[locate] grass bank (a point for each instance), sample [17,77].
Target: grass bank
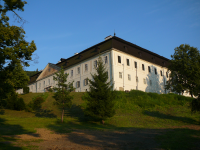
[134,110]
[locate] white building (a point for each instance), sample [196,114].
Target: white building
[130,67]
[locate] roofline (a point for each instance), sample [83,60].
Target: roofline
[138,47]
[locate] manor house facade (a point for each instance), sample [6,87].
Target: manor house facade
[128,65]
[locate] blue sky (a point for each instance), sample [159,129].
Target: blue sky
[61,28]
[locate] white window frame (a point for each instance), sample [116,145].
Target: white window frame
[120,75]
[77,84]
[86,81]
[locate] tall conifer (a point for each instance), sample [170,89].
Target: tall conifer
[100,98]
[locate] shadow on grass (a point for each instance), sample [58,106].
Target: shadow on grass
[6,130]
[45,113]
[164,116]
[96,135]
[2,112]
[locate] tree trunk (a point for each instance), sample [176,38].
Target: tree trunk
[62,115]
[103,122]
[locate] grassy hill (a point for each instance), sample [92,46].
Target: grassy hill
[134,110]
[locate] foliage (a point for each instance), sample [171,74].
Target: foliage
[100,98]
[25,89]
[14,102]
[185,70]
[195,105]
[63,90]
[15,51]
[36,102]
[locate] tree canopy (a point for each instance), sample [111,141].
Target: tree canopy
[185,70]
[100,97]
[15,51]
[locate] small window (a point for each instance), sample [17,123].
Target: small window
[161,72]
[167,74]
[144,80]
[150,82]
[77,84]
[106,59]
[137,80]
[119,59]
[129,77]
[71,73]
[143,67]
[155,70]
[44,83]
[86,67]
[135,64]
[149,68]
[49,81]
[78,70]
[85,82]
[95,63]
[39,85]
[120,75]
[127,61]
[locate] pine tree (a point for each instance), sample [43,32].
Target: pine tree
[63,90]
[100,98]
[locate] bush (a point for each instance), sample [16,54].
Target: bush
[15,103]
[25,90]
[37,103]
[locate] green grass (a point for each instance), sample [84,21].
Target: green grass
[134,110]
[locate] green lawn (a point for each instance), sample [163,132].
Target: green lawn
[134,110]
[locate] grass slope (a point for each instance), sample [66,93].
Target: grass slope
[134,110]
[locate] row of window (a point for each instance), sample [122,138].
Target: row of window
[129,78]
[86,66]
[143,67]
[85,83]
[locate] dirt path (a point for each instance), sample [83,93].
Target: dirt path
[98,140]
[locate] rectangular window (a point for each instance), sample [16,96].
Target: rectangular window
[143,67]
[71,73]
[39,85]
[155,70]
[135,64]
[167,74]
[86,67]
[129,77]
[150,82]
[127,61]
[149,69]
[144,80]
[49,81]
[44,83]
[85,82]
[78,70]
[120,75]
[119,59]
[77,84]
[95,63]
[106,59]
[161,72]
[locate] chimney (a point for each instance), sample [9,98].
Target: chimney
[108,37]
[75,53]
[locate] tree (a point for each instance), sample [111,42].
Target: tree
[185,70]
[15,51]
[63,90]
[100,98]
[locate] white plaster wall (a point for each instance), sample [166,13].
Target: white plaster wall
[157,80]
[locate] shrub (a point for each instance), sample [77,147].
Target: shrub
[37,103]
[15,103]
[25,90]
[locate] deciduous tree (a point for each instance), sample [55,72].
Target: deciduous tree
[14,49]
[100,98]
[185,70]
